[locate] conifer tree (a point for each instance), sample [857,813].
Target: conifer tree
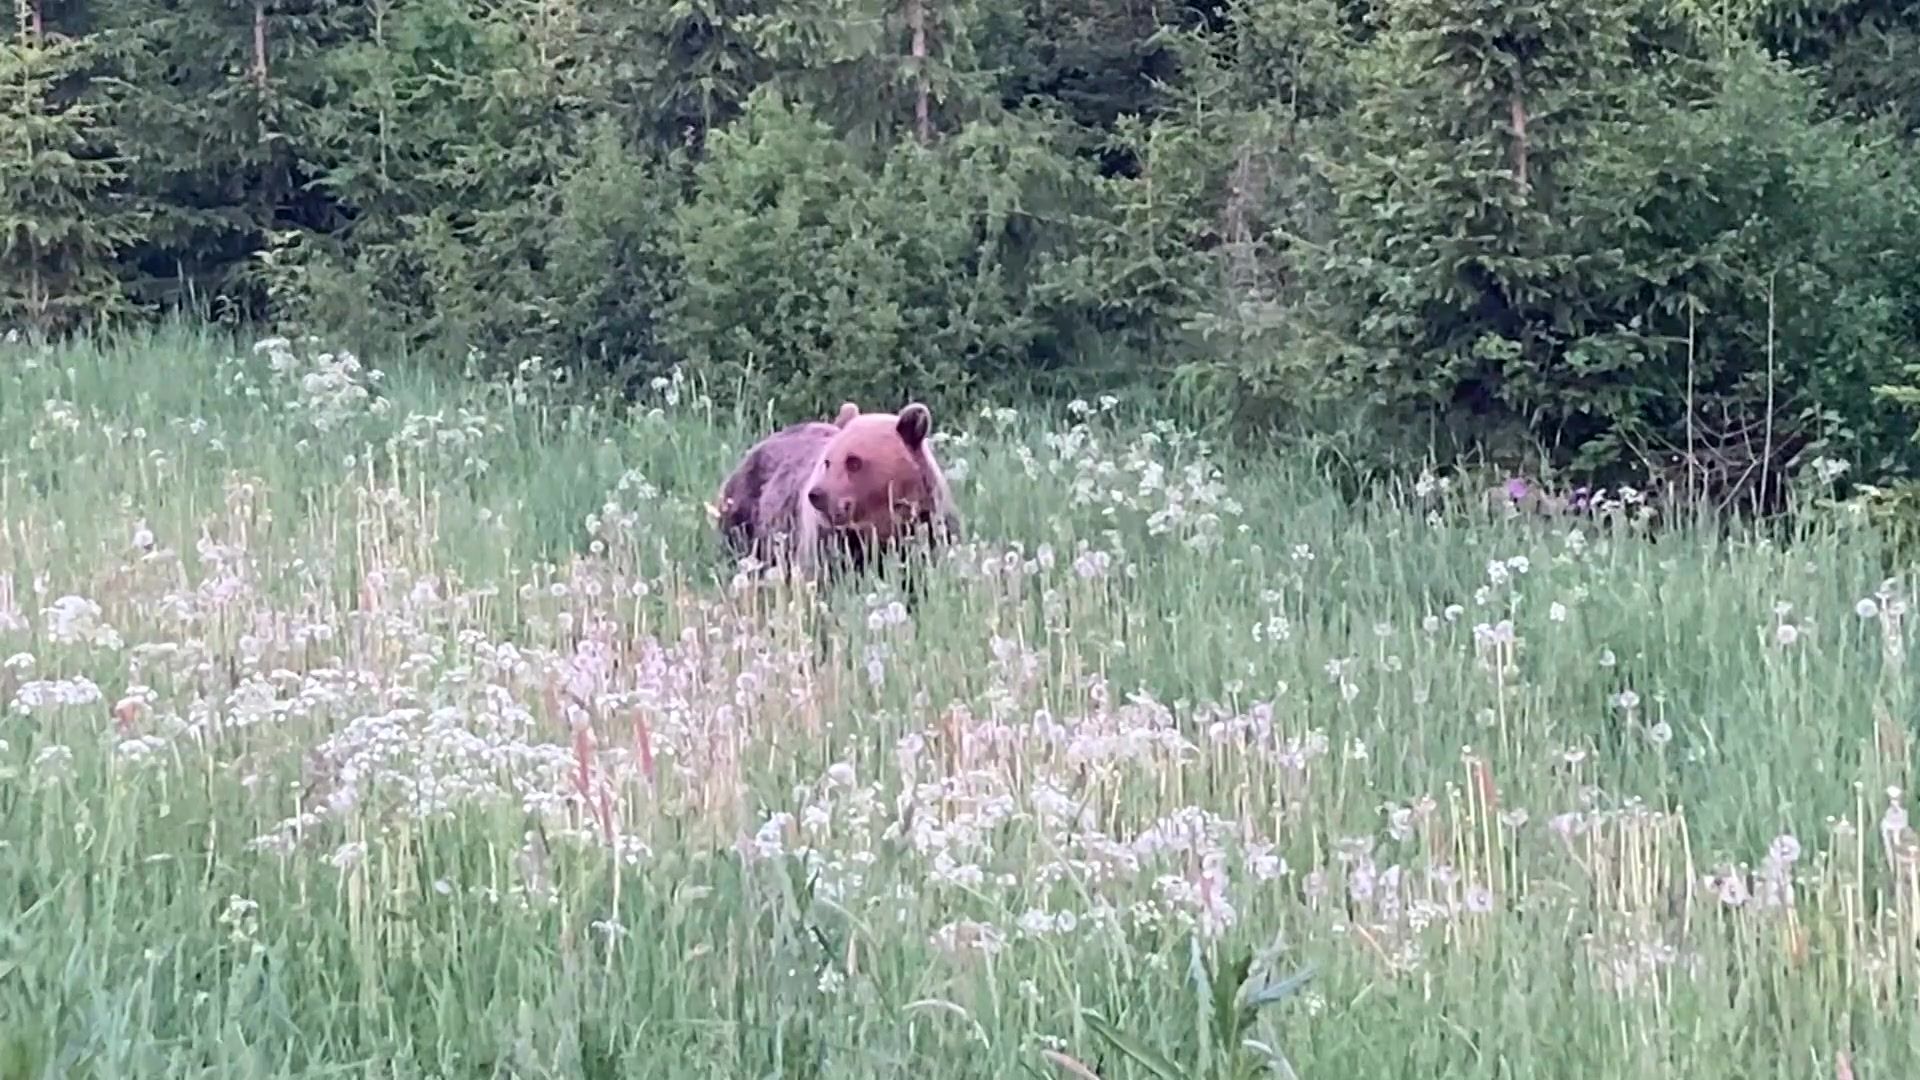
[62,217]
[1479,191]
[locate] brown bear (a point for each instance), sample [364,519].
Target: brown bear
[816,494]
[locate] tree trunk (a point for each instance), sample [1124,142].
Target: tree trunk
[922,116]
[1519,112]
[260,43]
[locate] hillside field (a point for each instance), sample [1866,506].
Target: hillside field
[386,725]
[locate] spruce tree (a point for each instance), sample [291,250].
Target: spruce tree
[63,219]
[1479,192]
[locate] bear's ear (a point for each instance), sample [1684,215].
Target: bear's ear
[916,423]
[848,411]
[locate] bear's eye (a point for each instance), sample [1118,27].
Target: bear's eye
[854,463]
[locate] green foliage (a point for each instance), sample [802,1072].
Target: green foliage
[817,272]
[1890,512]
[1461,272]
[1612,231]
[1096,62]
[1498,260]
[1867,52]
[62,221]
[1252,101]
[458,126]
[214,112]
[1798,236]
[1228,1003]
[607,259]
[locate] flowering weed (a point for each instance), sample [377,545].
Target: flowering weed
[355,722]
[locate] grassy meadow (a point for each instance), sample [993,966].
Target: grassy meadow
[373,724]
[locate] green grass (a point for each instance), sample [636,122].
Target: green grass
[293,784]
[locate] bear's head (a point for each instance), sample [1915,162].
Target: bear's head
[876,475]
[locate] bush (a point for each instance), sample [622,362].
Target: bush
[812,275]
[1675,264]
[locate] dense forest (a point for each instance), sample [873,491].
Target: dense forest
[1678,241]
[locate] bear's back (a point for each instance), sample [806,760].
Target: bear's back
[765,493]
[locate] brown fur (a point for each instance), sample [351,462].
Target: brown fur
[814,492]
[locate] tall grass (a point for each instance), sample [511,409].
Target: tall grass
[363,725]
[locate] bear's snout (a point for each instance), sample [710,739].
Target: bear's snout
[837,512]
